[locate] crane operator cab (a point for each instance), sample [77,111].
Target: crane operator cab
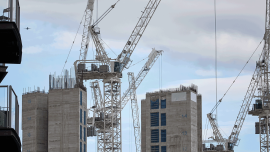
[230,146]
[10,38]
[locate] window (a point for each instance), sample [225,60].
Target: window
[80,146]
[85,148]
[84,133]
[80,97]
[163,104]
[80,132]
[155,104]
[163,119]
[154,119]
[154,136]
[84,117]
[163,148]
[80,115]
[154,148]
[163,135]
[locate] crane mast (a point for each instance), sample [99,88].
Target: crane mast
[130,94]
[124,57]
[135,112]
[106,120]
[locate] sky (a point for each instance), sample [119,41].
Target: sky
[183,29]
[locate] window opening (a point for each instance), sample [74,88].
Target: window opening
[163,148]
[154,148]
[154,119]
[154,102]
[163,135]
[154,136]
[80,132]
[80,115]
[80,97]
[163,119]
[84,117]
[163,102]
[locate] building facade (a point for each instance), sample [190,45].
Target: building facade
[171,121]
[67,115]
[35,122]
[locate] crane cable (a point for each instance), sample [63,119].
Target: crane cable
[241,70]
[215,10]
[73,42]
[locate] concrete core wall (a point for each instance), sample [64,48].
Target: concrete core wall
[64,120]
[35,122]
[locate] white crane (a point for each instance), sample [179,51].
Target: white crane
[124,57]
[260,82]
[107,118]
[130,94]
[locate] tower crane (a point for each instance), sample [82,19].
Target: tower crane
[259,83]
[107,119]
[130,94]
[147,14]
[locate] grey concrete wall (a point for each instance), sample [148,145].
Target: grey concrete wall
[199,122]
[143,126]
[181,131]
[35,122]
[64,120]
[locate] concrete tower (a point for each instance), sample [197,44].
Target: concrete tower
[35,122]
[171,121]
[67,115]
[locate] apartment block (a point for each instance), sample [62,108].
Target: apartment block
[171,120]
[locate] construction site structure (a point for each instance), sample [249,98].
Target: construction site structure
[105,122]
[35,121]
[171,120]
[55,121]
[258,90]
[67,113]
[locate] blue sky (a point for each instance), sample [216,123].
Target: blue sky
[184,29]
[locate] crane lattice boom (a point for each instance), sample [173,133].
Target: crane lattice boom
[86,32]
[153,56]
[137,33]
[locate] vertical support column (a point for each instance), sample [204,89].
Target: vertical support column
[260,128]
[267,132]
[109,137]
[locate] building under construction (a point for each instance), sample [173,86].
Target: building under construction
[55,121]
[172,120]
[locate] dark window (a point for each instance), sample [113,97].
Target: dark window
[154,148]
[84,134]
[85,148]
[163,135]
[80,146]
[154,119]
[80,97]
[163,148]
[80,115]
[163,104]
[154,136]
[163,119]
[80,132]
[155,104]
[84,117]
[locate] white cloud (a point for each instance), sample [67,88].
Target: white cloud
[32,50]
[204,73]
[64,40]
